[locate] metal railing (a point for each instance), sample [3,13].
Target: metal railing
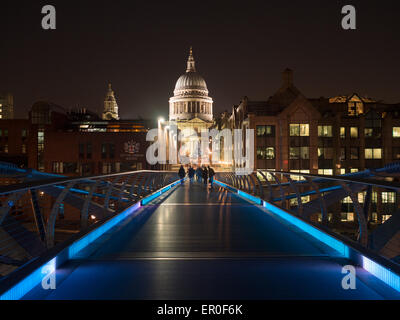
[323,200]
[37,215]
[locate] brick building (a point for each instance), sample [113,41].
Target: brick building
[322,136]
[327,136]
[73,143]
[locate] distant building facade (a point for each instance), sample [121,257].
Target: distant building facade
[6,106]
[74,143]
[328,136]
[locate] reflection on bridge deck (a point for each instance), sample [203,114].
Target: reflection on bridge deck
[194,243]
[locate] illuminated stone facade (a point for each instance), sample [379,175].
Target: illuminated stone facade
[191,107]
[110,106]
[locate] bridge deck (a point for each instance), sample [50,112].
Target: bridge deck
[200,244]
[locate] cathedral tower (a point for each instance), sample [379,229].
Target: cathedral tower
[110,106]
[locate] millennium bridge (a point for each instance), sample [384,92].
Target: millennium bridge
[144,235]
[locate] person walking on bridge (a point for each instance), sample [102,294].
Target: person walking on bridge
[191,173]
[205,175]
[182,174]
[199,174]
[211,174]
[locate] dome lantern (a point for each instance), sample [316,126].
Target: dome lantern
[191,65]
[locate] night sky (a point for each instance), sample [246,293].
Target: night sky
[240,49]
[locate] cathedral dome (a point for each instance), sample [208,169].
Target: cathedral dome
[191,80]
[191,83]
[191,101]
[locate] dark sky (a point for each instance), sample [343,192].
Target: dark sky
[240,48]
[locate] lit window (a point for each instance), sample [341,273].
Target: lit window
[347,200]
[385,217]
[354,132]
[369,132]
[396,132]
[343,132]
[263,131]
[342,171]
[361,197]
[347,216]
[353,170]
[299,153]
[326,172]
[299,130]
[325,131]
[293,202]
[388,197]
[24,148]
[267,153]
[298,178]
[373,153]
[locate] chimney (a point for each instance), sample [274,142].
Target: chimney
[287,78]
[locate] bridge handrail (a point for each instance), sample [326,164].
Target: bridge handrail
[324,189]
[61,180]
[32,214]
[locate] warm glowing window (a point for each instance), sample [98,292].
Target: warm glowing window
[265,153]
[265,131]
[299,130]
[294,202]
[396,132]
[355,106]
[385,217]
[353,170]
[343,132]
[325,172]
[297,153]
[299,178]
[388,197]
[325,131]
[369,132]
[347,200]
[373,153]
[354,132]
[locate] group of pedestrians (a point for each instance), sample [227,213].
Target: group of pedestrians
[203,175]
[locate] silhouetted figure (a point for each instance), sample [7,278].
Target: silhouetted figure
[205,175]
[211,174]
[199,174]
[191,173]
[182,173]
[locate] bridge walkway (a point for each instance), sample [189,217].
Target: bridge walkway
[194,243]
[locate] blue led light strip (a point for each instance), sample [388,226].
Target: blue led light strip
[36,277]
[382,273]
